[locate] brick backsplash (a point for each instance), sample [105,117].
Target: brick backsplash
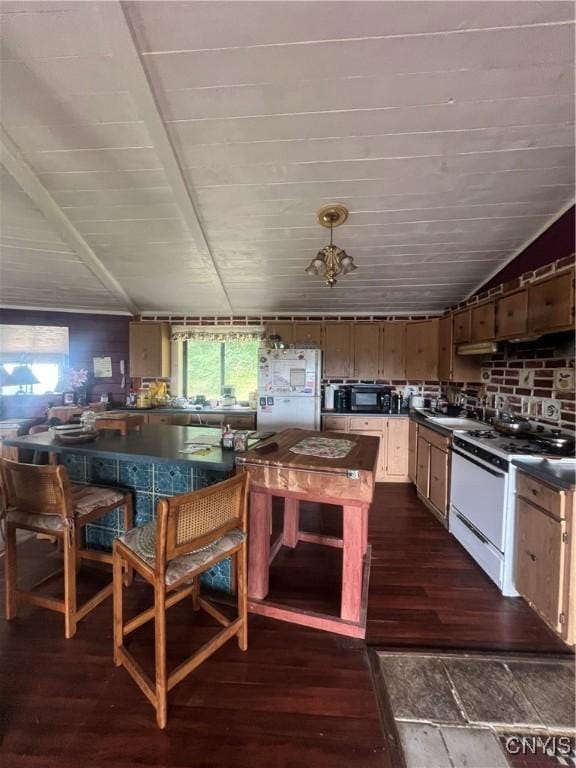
[543,357]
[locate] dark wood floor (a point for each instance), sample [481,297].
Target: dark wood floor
[297,698]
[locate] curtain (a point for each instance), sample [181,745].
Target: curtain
[217,333]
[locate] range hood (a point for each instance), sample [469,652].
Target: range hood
[480,348]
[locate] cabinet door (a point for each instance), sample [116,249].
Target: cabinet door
[397,454]
[337,350]
[551,303]
[381,463]
[366,350]
[483,322]
[284,330]
[335,423]
[439,479]
[307,333]
[423,467]
[540,555]
[149,350]
[512,315]
[422,350]
[160,418]
[461,326]
[412,449]
[445,348]
[393,351]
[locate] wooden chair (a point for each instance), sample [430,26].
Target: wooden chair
[41,499]
[191,533]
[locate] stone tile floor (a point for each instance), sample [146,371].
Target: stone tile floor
[458,710]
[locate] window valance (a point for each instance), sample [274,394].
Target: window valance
[217,333]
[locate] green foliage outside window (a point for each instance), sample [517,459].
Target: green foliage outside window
[213,364]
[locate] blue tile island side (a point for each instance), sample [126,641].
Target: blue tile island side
[152,465]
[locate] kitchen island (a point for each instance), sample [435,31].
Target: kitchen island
[153,464]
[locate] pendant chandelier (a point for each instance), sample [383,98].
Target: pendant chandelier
[331,261]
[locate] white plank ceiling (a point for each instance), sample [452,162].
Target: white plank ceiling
[189,144]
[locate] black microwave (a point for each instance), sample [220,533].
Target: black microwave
[370,399]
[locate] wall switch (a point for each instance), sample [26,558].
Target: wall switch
[551,409]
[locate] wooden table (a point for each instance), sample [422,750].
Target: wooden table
[122,422]
[347,482]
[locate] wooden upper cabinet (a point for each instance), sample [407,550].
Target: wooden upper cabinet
[551,303]
[337,350]
[422,350]
[366,351]
[512,315]
[483,322]
[461,326]
[307,333]
[393,351]
[283,329]
[445,348]
[149,350]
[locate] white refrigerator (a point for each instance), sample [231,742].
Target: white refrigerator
[289,388]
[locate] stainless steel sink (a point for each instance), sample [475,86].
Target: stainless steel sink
[457,423]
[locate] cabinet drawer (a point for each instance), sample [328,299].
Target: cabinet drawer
[367,422]
[159,418]
[434,438]
[542,495]
[335,423]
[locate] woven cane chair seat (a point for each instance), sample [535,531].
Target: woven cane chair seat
[142,541]
[85,498]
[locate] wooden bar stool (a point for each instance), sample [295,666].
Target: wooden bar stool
[41,499]
[191,534]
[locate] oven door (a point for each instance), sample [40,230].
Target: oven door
[478,495]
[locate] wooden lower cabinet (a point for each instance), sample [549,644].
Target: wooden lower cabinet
[432,471]
[423,467]
[545,554]
[200,418]
[392,464]
[412,449]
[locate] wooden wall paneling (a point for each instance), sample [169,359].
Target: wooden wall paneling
[337,350]
[393,350]
[366,345]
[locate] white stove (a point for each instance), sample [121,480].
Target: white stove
[482,498]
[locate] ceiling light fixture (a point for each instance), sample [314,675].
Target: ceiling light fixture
[331,261]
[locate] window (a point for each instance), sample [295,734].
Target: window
[43,348]
[211,365]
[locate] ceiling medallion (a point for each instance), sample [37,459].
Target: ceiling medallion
[331,261]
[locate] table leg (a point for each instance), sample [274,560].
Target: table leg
[259,544]
[291,522]
[353,526]
[365,513]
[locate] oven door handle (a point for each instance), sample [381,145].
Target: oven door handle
[478,464]
[472,528]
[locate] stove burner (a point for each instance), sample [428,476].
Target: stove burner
[524,450]
[483,433]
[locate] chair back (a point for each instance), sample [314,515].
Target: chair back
[195,520]
[37,490]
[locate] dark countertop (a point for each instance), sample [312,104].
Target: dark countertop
[230,411]
[559,473]
[157,444]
